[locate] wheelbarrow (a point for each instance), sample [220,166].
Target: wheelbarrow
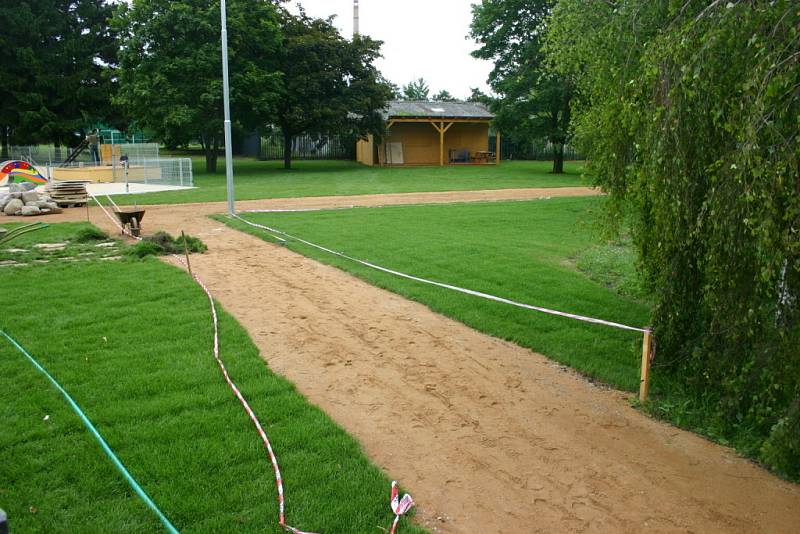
[131,221]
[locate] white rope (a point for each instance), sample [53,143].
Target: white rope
[458,289]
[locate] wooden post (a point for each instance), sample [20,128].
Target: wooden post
[186,253]
[644,383]
[441,144]
[497,148]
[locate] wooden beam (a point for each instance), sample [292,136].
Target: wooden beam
[391,123]
[430,120]
[647,351]
[497,148]
[435,126]
[448,126]
[441,144]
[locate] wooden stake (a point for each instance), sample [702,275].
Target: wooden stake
[497,149]
[644,383]
[186,252]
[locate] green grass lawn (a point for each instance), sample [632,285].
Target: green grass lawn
[131,341]
[525,251]
[267,179]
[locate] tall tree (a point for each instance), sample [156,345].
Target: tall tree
[688,114]
[329,84]
[533,103]
[57,56]
[444,96]
[416,90]
[171,67]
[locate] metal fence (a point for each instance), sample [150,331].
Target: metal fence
[533,150]
[144,163]
[307,147]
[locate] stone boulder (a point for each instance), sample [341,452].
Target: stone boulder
[30,210]
[30,196]
[13,206]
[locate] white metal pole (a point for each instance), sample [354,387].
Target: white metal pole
[227,98]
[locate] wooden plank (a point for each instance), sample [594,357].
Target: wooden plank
[644,382]
[449,119]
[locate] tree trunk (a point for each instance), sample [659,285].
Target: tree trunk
[558,158]
[210,146]
[5,151]
[287,150]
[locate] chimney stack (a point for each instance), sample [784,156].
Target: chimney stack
[355,18]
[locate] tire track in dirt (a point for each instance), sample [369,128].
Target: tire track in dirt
[489,437]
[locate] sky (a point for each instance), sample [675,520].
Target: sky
[422,38]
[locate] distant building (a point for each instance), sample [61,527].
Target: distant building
[432,133]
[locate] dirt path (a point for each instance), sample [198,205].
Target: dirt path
[488,437]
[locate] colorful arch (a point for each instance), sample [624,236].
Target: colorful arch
[16,171]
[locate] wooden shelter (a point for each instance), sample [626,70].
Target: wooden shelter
[432,133]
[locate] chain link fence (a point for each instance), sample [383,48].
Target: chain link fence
[144,164]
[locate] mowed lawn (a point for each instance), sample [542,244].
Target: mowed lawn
[268,179]
[523,251]
[131,341]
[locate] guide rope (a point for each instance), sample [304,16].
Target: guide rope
[451,287]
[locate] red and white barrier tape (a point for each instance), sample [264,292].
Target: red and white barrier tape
[399,508]
[472,292]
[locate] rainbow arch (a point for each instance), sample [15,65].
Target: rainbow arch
[15,171]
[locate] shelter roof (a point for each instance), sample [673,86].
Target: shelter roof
[398,109]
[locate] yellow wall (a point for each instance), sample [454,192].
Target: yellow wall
[421,141]
[365,150]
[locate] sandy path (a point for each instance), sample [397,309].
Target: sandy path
[488,437]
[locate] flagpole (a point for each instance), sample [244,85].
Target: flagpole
[227,104]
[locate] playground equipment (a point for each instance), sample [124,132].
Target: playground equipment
[15,171]
[75,153]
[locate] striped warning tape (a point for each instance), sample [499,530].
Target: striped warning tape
[264,438]
[273,231]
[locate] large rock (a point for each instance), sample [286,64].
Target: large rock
[4,198]
[30,196]
[30,210]
[21,187]
[13,206]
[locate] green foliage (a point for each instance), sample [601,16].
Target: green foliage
[688,113]
[58,57]
[534,103]
[171,67]
[416,90]
[329,84]
[444,96]
[89,234]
